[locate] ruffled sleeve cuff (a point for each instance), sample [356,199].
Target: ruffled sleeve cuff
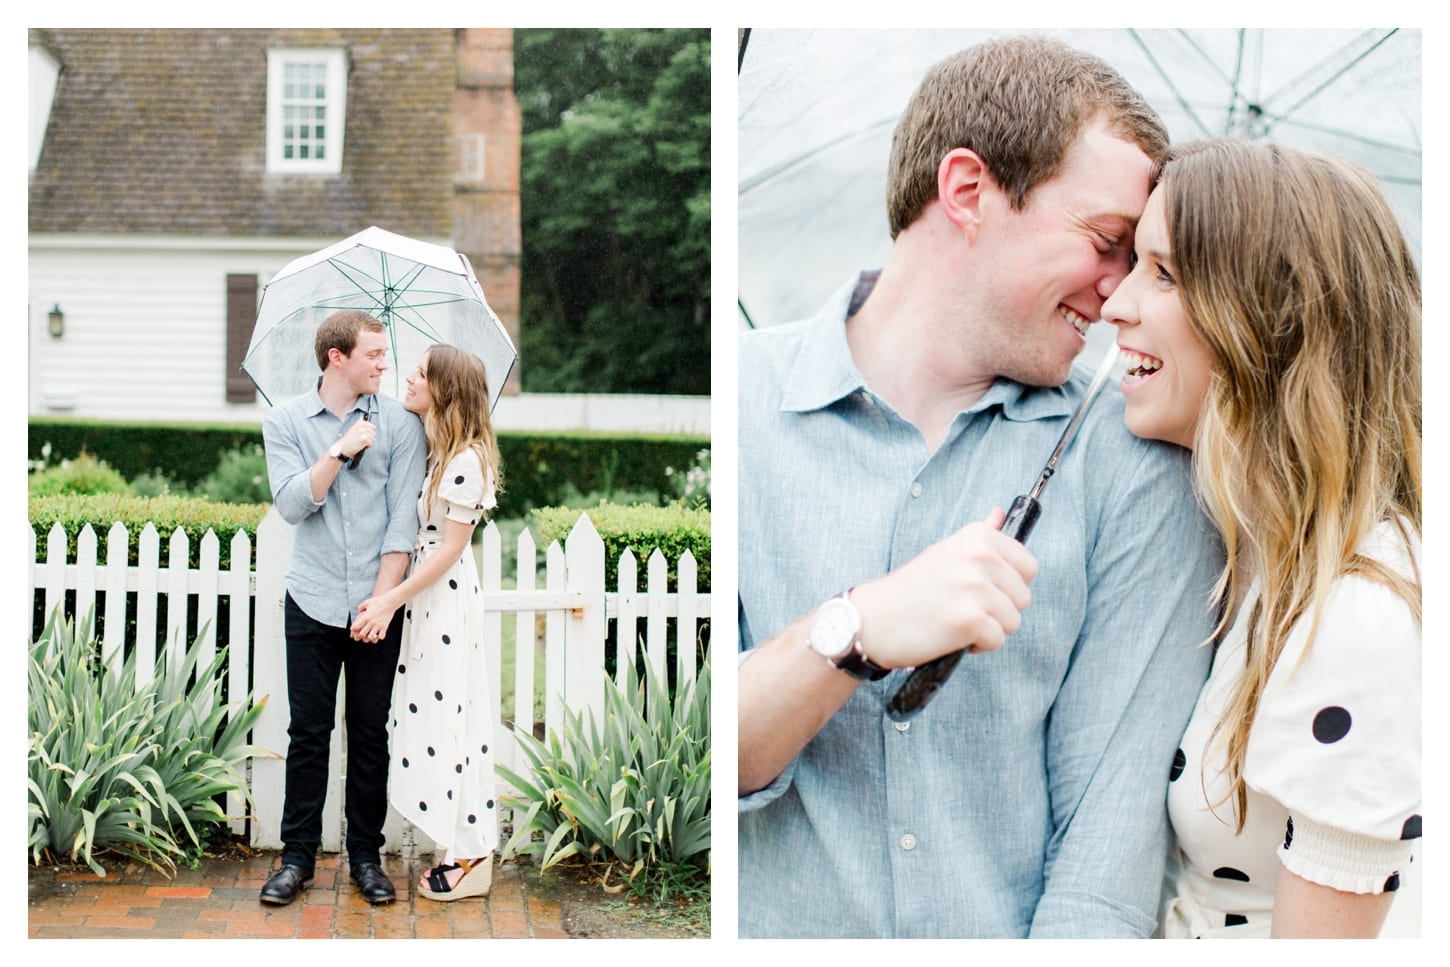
[1342,860]
[466,489]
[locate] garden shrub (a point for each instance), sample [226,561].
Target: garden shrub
[633,790]
[135,770]
[84,474]
[673,529]
[240,478]
[692,485]
[158,485]
[194,516]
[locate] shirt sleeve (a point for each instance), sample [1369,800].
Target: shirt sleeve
[289,472]
[405,481]
[760,798]
[1135,673]
[1336,740]
[466,489]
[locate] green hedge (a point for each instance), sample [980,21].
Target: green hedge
[672,529]
[184,453]
[540,469]
[642,528]
[74,511]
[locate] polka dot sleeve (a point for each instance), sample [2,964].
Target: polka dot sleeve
[1337,740]
[465,492]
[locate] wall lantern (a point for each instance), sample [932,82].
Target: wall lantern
[57,322]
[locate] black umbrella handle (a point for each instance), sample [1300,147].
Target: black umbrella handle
[1021,518]
[357,457]
[927,679]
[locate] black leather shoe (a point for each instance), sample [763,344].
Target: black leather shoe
[284,885]
[373,883]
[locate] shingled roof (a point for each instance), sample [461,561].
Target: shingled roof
[163,131]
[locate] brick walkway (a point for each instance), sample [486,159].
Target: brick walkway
[219,900]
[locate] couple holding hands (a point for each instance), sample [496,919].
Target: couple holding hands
[383,591]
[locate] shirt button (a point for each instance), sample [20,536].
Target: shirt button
[902,726]
[908,842]
[916,488]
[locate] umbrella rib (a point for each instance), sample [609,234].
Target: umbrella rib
[418,327]
[1168,80]
[748,321]
[345,270]
[1233,84]
[1203,55]
[352,274]
[1307,75]
[1346,135]
[1338,74]
[1235,95]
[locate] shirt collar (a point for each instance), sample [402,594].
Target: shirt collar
[367,403]
[825,373]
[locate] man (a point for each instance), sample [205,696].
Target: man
[346,466]
[875,442]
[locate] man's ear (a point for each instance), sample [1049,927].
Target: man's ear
[961,179]
[335,355]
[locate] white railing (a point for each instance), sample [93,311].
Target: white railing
[575,604]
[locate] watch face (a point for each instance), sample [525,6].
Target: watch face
[834,627]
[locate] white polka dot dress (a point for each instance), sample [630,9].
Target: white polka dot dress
[1333,764]
[441,775]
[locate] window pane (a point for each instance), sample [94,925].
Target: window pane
[303,109]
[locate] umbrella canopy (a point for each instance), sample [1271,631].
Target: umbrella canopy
[423,294]
[818,107]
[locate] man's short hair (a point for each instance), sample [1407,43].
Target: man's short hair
[1019,103]
[339,331]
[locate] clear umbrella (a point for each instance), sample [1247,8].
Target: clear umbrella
[817,109]
[423,294]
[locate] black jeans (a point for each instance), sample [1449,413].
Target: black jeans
[316,655]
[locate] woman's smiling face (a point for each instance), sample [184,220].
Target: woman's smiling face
[1168,365]
[418,399]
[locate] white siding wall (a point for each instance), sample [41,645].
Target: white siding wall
[145,339]
[145,325]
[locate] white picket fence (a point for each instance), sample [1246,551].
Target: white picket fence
[574,602]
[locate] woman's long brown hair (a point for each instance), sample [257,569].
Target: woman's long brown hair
[1293,270]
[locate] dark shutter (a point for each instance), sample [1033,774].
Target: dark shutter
[241,315]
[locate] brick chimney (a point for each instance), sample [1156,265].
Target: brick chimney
[486,137]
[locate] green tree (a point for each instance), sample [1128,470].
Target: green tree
[615,208]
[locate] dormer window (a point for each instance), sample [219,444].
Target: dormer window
[306,105]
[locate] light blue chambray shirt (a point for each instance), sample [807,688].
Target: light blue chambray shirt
[1028,798]
[367,512]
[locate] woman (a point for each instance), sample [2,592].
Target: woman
[1271,323]
[441,776]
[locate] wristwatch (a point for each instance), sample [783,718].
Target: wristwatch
[836,634]
[336,451]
